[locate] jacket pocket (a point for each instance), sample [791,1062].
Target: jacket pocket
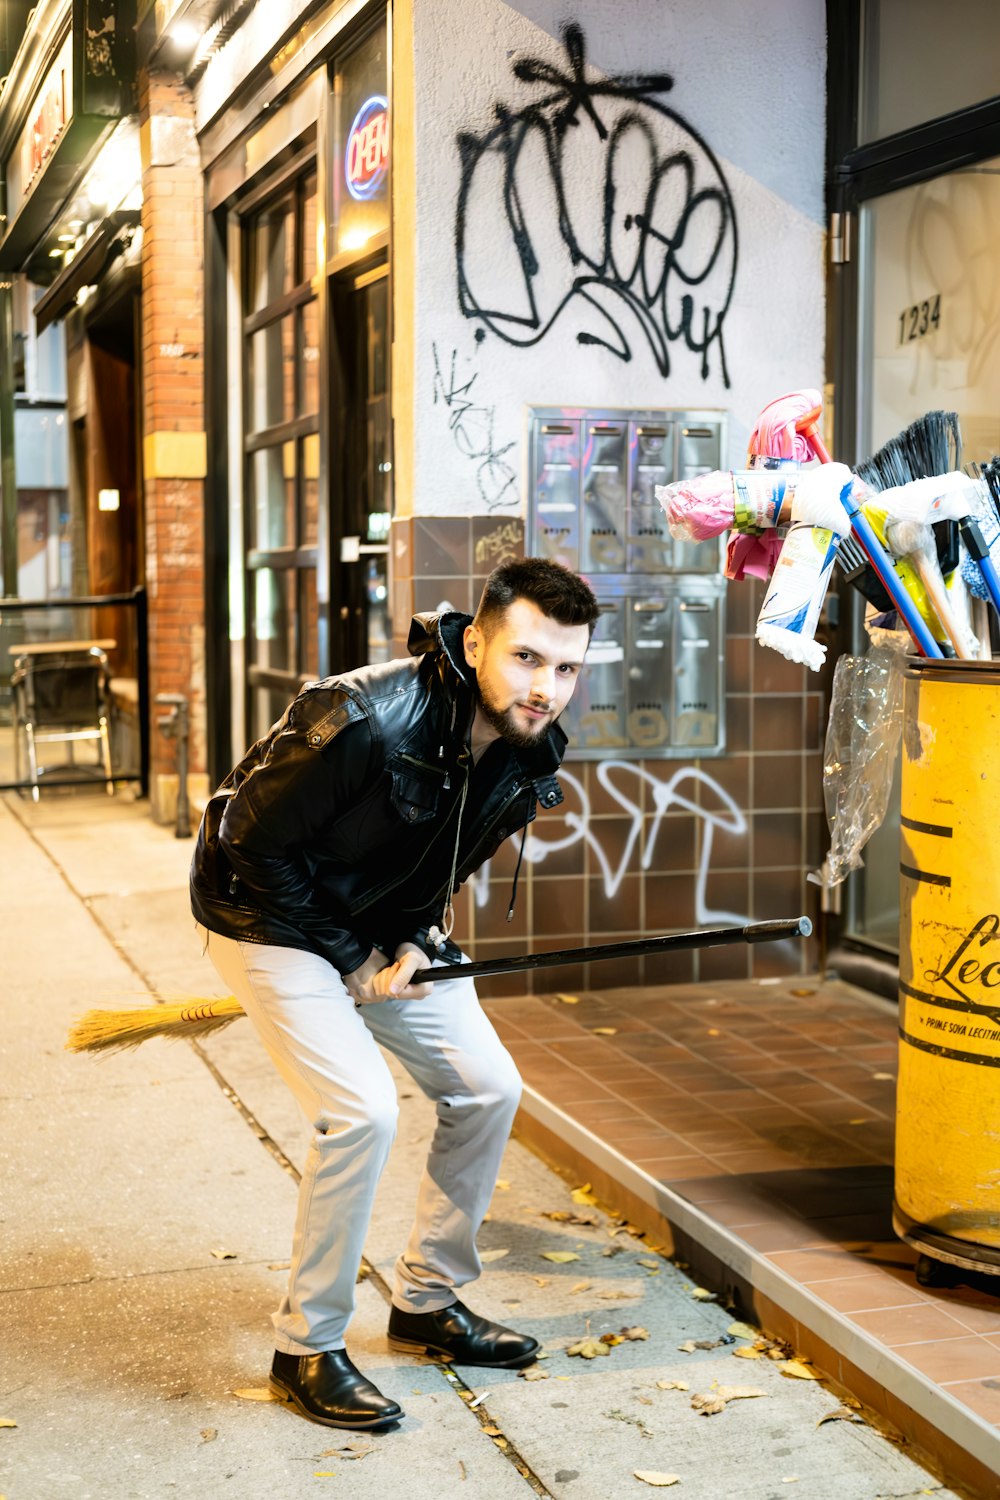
[415,796]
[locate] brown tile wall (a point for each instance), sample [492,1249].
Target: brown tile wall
[776,720]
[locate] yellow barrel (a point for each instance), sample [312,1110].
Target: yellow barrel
[947,1199]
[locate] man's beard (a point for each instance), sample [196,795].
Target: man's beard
[503,721]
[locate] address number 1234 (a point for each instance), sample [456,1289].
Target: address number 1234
[920,319]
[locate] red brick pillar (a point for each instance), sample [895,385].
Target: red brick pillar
[173,418]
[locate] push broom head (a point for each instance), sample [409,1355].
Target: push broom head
[116,1030]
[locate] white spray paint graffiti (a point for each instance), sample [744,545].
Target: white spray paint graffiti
[666,795]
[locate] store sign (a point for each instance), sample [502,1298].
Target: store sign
[366,160]
[48,116]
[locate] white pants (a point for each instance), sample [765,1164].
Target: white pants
[326,1050]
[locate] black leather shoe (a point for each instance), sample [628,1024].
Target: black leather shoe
[328,1388]
[457,1334]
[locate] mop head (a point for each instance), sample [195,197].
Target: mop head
[792,646]
[117,1030]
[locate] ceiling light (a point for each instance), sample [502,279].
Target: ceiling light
[185,35]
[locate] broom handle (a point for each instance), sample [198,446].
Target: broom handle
[708,937]
[925,643]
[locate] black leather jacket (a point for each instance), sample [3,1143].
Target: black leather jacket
[339,830]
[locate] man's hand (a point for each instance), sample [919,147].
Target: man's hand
[378,979]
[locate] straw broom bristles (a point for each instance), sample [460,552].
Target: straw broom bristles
[114,1030]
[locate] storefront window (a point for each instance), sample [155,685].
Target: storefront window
[907,79]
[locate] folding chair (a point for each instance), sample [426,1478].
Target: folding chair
[61,697]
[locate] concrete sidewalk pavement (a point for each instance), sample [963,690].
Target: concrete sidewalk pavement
[147,1211]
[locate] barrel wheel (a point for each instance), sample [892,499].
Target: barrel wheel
[931,1272]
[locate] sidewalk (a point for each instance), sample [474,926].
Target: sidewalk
[148,1202]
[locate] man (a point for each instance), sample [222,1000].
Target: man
[324,876]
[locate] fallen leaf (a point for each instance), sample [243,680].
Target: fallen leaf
[635,1333]
[324,1473]
[563,1216]
[503,1184]
[744,1330]
[256,1393]
[581,1286]
[883,1077]
[6,1422]
[363,1274]
[654,1477]
[614,1249]
[223,1254]
[583,1195]
[651,1265]
[589,1348]
[533,1372]
[568,999]
[486,1255]
[690,1345]
[541,1280]
[799,1370]
[611,1339]
[605,1030]
[671,1385]
[560,1256]
[747,1351]
[492,1431]
[842,1414]
[616,1296]
[355,1449]
[209,1434]
[718,1399]
[280,1265]
[700,1293]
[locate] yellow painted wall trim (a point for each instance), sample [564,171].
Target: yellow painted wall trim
[175,455]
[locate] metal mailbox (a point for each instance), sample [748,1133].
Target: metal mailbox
[599,703]
[651,447]
[604,476]
[654,682]
[555,494]
[698,648]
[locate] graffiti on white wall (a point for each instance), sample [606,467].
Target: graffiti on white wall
[472,425]
[619,778]
[590,199]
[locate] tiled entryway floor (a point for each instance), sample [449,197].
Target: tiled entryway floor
[769,1107]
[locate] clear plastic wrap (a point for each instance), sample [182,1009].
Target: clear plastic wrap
[862,738]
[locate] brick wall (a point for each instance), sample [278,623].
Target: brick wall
[173,416]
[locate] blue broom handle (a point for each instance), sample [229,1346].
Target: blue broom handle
[991,580]
[893,584]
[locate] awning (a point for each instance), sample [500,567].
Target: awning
[110,239]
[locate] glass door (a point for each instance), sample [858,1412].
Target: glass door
[929,340]
[361,467]
[281,385]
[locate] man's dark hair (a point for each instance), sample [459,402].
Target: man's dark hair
[557,592]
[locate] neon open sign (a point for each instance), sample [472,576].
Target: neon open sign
[366,160]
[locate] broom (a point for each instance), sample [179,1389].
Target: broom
[116,1030]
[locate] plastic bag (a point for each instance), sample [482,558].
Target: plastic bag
[862,739]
